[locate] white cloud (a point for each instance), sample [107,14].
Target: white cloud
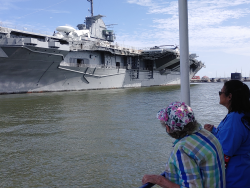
[141,2]
[9,4]
[212,24]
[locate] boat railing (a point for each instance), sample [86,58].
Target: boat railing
[120,47]
[131,49]
[82,65]
[91,45]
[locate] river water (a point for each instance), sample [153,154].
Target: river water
[99,138]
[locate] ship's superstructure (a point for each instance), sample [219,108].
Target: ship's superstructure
[86,58]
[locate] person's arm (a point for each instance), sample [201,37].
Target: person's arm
[214,131]
[231,135]
[159,180]
[210,128]
[181,169]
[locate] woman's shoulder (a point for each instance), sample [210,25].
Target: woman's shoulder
[235,115]
[235,118]
[230,120]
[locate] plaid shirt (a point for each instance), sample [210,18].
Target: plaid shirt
[197,161]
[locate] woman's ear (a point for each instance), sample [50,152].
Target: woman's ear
[168,128]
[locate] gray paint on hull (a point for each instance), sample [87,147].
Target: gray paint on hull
[26,70]
[2,53]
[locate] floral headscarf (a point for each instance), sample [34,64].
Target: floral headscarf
[176,115]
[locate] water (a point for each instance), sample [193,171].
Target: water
[102,138]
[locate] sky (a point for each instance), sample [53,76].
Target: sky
[219,30]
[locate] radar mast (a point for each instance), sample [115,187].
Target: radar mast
[92,11]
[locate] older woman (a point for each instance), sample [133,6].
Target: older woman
[234,133]
[197,156]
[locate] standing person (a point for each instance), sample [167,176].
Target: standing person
[197,158]
[234,133]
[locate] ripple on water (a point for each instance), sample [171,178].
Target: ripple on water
[103,138]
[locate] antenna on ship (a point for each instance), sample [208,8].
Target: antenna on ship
[92,11]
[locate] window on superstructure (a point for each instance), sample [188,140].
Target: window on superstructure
[80,62]
[117,65]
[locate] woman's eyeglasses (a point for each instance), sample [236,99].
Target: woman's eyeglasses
[220,92]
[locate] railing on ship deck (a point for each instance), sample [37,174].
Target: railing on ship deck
[88,44]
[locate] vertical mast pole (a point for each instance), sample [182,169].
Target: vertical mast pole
[184,51]
[92,11]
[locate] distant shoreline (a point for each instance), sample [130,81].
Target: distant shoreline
[206,81]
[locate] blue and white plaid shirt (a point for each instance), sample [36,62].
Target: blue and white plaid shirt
[197,161]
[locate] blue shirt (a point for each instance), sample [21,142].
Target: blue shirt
[234,137]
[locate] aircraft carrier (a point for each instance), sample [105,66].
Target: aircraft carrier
[81,59]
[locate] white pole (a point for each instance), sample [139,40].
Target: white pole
[184,51]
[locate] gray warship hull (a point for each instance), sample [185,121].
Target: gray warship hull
[83,59]
[29,69]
